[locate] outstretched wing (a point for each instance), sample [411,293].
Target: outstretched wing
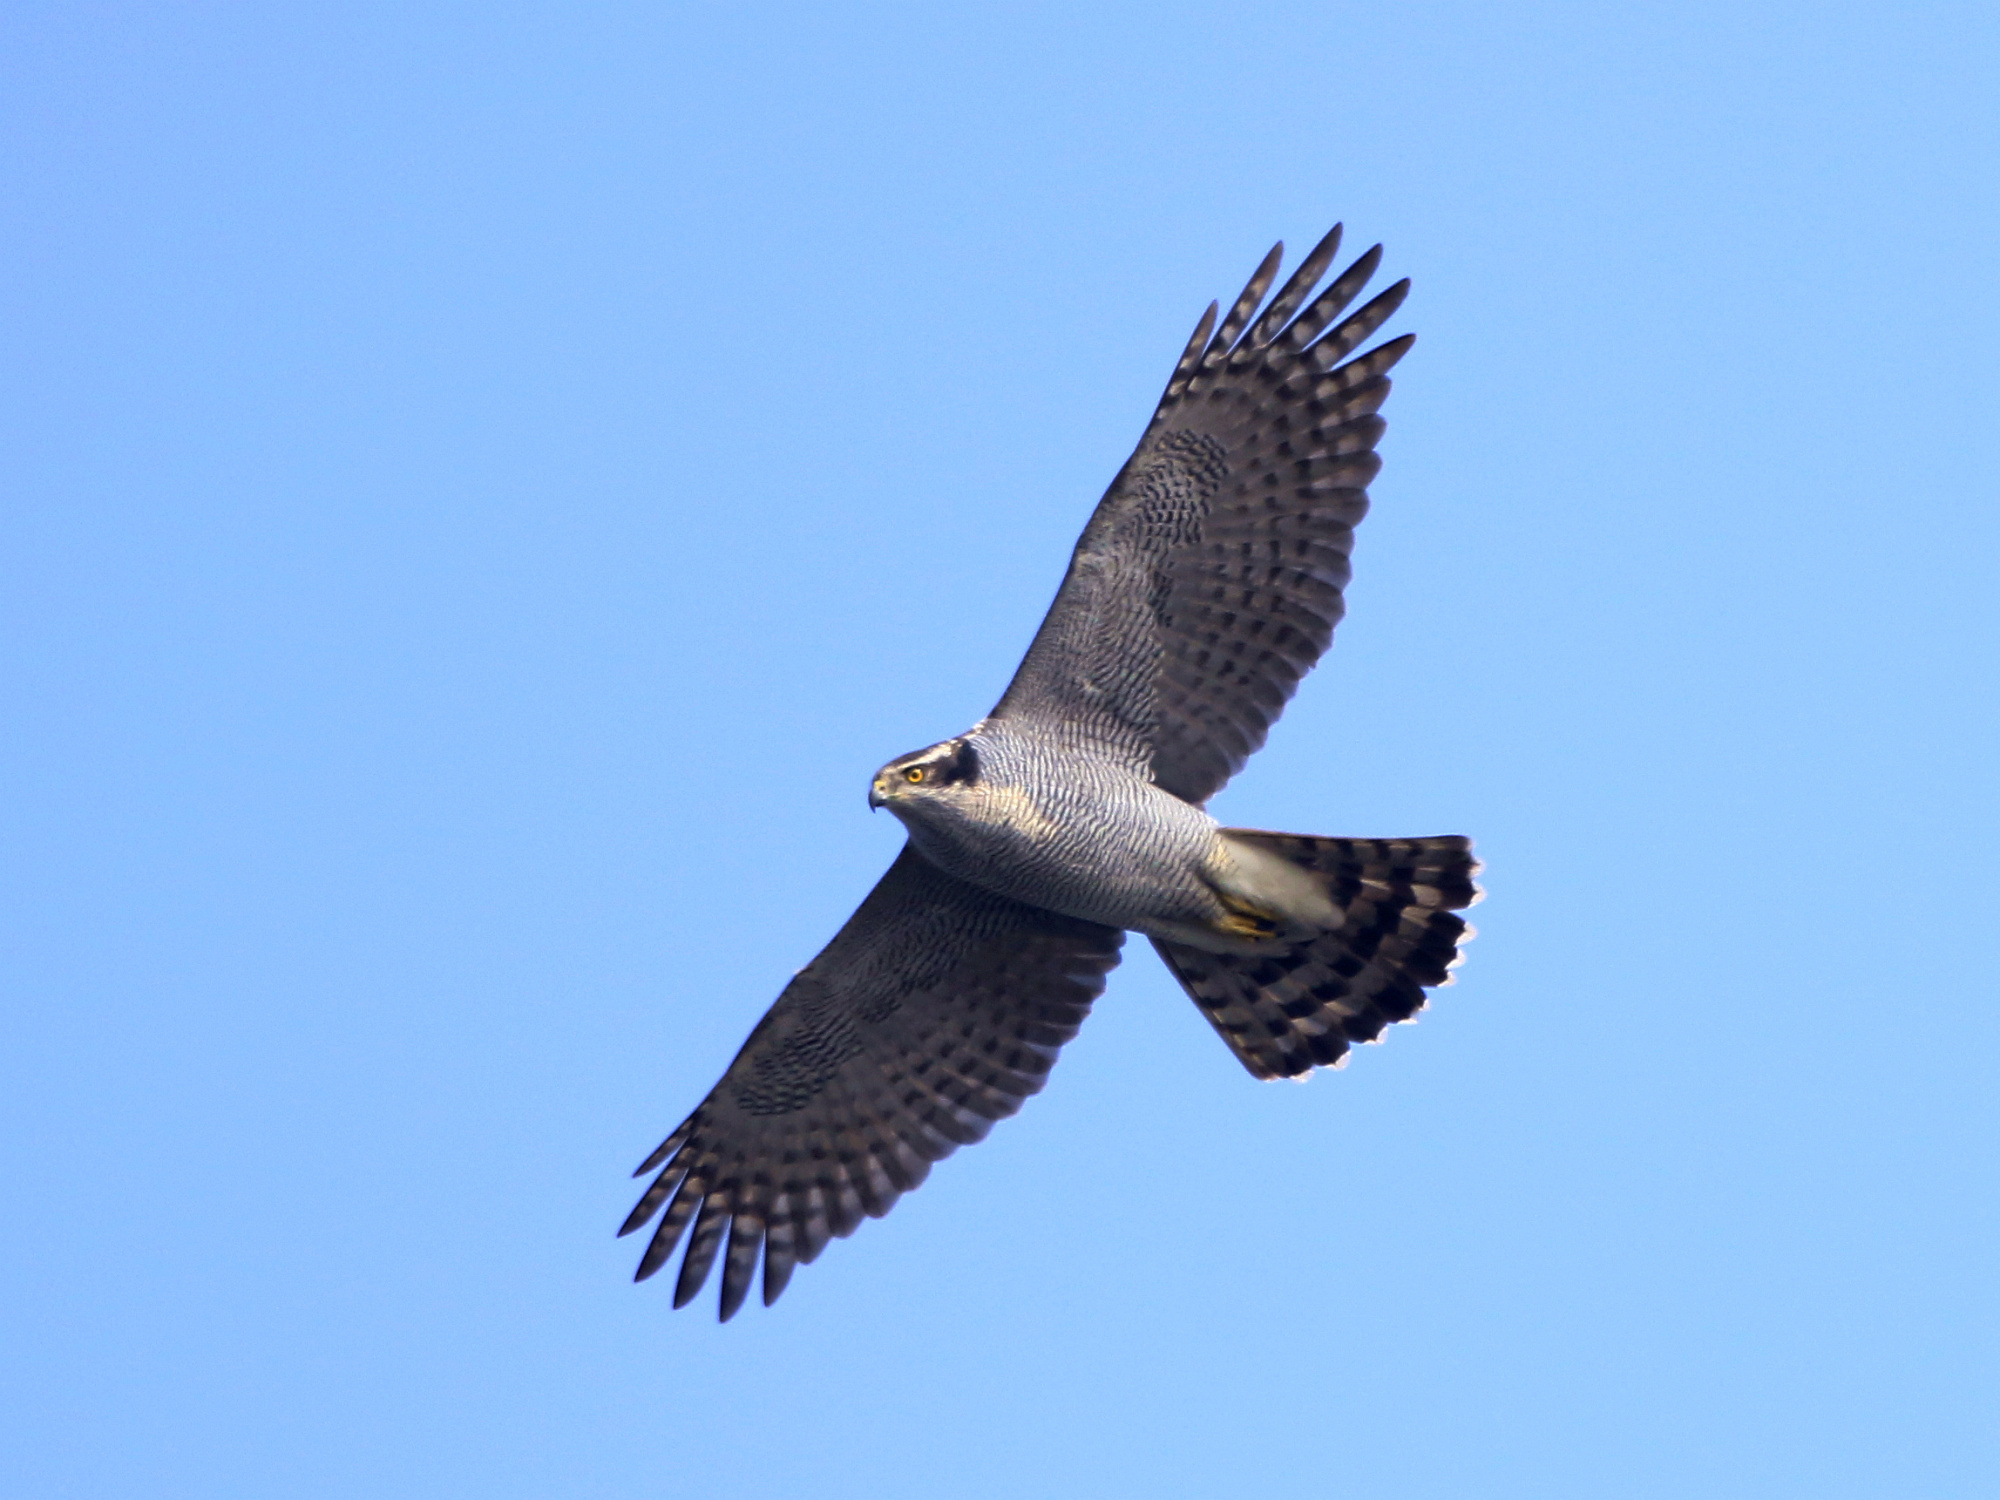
[1209,579]
[934,1012]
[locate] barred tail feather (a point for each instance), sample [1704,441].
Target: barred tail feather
[1299,1003]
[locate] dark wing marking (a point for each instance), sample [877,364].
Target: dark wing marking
[1208,581]
[934,1012]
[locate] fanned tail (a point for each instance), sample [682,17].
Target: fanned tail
[1297,1005]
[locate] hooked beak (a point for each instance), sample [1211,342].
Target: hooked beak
[876,801]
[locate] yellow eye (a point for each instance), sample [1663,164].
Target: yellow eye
[914,773]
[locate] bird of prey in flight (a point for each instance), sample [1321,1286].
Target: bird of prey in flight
[1206,584]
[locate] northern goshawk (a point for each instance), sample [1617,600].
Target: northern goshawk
[1206,584]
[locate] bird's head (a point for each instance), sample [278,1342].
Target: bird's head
[921,778]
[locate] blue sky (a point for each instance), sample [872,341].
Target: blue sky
[485,485]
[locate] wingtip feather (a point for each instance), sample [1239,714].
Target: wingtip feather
[1297,288]
[1246,303]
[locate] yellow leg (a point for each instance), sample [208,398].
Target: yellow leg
[1244,919]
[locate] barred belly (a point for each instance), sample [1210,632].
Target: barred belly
[1081,835]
